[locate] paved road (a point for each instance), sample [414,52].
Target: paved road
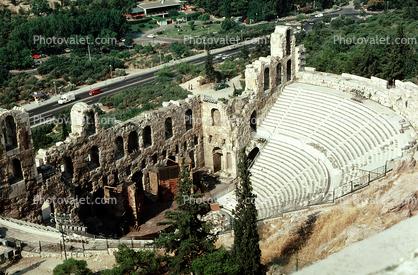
[52,108]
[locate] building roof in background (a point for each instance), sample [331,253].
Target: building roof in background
[158,4]
[137,10]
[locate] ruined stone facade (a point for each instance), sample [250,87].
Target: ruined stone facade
[94,162]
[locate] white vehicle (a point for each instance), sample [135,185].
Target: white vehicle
[150,35]
[219,56]
[66,98]
[319,15]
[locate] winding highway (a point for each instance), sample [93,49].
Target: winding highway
[48,110]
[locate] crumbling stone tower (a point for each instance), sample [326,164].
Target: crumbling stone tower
[18,175]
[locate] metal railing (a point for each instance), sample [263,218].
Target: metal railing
[322,198]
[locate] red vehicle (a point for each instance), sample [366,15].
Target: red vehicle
[94,91]
[133,44]
[164,44]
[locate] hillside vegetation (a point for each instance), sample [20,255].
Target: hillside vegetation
[334,47]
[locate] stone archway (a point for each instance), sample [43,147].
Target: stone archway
[252,155]
[217,159]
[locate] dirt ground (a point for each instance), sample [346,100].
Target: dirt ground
[37,266]
[207,89]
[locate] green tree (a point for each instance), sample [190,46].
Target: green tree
[129,261]
[246,250]
[326,19]
[244,53]
[191,24]
[397,64]
[357,4]
[40,6]
[227,8]
[173,13]
[164,75]
[64,130]
[72,266]
[204,17]
[128,41]
[317,6]
[301,18]
[210,70]
[218,262]
[187,238]
[227,24]
[254,12]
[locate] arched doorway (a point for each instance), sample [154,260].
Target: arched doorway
[289,70]
[217,159]
[252,155]
[253,122]
[68,166]
[46,209]
[137,179]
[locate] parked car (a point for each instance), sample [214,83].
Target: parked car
[220,86]
[225,56]
[95,91]
[150,35]
[165,44]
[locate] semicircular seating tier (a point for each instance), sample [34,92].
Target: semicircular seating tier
[319,141]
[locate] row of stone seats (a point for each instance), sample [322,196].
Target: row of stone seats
[283,175]
[346,129]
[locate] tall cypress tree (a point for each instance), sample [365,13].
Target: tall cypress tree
[246,250]
[210,70]
[187,237]
[64,129]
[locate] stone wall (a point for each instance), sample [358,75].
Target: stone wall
[403,98]
[93,160]
[18,175]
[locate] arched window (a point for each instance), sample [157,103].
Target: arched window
[216,117]
[266,79]
[17,174]
[188,118]
[279,74]
[147,137]
[119,151]
[168,128]
[94,158]
[133,142]
[253,122]
[9,132]
[90,124]
[288,42]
